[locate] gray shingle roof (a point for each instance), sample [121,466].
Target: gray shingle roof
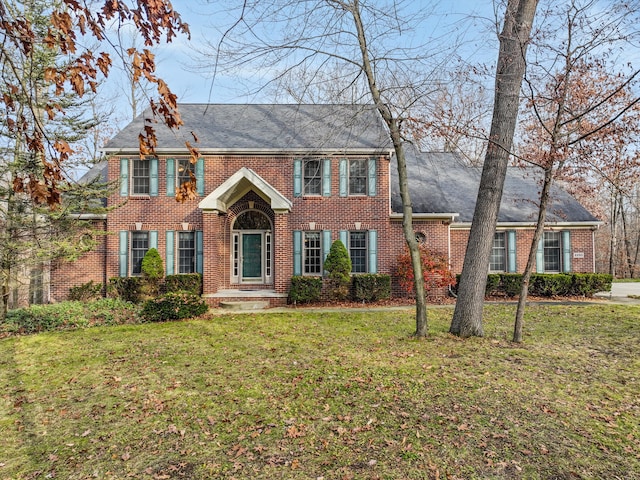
[264,128]
[440,183]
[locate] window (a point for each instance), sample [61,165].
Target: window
[358,251]
[185,171]
[498,260]
[186,252]
[312,253]
[552,244]
[358,177]
[140,177]
[139,246]
[312,177]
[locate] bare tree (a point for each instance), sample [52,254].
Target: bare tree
[578,106]
[371,45]
[514,39]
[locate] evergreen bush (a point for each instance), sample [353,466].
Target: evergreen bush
[371,287]
[152,272]
[305,289]
[128,289]
[173,306]
[86,291]
[338,267]
[184,282]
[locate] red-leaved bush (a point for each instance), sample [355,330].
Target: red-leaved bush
[435,269]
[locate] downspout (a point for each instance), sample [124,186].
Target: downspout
[104,260]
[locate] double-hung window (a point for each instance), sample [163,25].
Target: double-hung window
[358,176]
[185,171]
[186,252]
[552,244]
[312,253]
[498,260]
[139,247]
[312,176]
[140,177]
[358,249]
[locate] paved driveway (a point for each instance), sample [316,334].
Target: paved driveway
[620,292]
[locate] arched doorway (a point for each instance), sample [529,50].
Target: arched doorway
[251,248]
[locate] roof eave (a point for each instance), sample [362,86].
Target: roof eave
[529,225]
[427,216]
[262,151]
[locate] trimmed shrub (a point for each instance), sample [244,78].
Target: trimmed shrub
[586,284]
[152,272]
[305,289]
[511,284]
[371,287]
[493,284]
[186,282]
[338,266]
[550,284]
[173,306]
[69,315]
[126,288]
[86,291]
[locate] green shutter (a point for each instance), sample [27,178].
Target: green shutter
[344,179]
[566,251]
[297,178]
[153,177]
[153,239]
[171,177]
[169,252]
[512,266]
[344,238]
[124,177]
[540,256]
[199,252]
[326,178]
[123,253]
[373,251]
[297,252]
[372,177]
[200,176]
[326,244]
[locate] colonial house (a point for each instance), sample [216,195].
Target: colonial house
[277,184]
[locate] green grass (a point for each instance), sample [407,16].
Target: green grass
[340,395]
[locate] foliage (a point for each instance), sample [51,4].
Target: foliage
[371,287]
[435,269]
[511,284]
[586,284]
[86,291]
[152,273]
[305,289]
[173,306]
[64,34]
[493,284]
[184,282]
[69,315]
[128,289]
[338,267]
[550,284]
[304,394]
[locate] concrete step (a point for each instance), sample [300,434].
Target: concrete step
[245,305]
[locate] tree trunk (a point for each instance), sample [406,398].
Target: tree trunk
[528,270]
[467,317]
[396,138]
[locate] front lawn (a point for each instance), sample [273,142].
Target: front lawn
[315,395]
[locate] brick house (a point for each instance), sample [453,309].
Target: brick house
[277,184]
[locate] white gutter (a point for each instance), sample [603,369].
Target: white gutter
[243,151]
[427,216]
[595,225]
[88,216]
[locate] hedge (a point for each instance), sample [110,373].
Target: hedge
[189,282]
[305,289]
[371,287]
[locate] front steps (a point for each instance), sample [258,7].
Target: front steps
[244,305]
[246,300]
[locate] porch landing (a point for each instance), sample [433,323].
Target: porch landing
[246,299]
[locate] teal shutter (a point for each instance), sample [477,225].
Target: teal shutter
[566,251]
[200,176]
[124,177]
[123,253]
[153,239]
[540,256]
[153,177]
[297,178]
[344,238]
[326,178]
[169,252]
[372,177]
[343,178]
[297,252]
[373,251]
[171,177]
[326,244]
[512,266]
[199,252]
